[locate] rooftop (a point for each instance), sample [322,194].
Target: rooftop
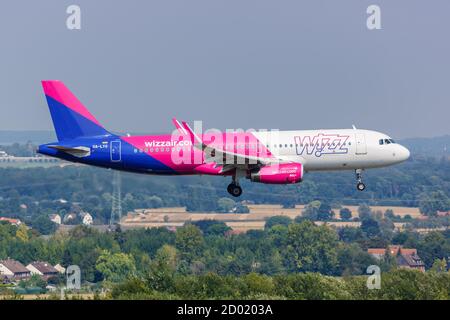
[44,267]
[14,266]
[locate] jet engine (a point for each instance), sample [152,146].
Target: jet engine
[283,173]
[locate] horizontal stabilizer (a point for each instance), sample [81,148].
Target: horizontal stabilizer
[79,152]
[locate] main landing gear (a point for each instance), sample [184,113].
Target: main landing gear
[233,188]
[359,185]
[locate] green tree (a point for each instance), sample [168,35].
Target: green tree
[22,233]
[34,281]
[115,267]
[311,248]
[353,260]
[161,275]
[433,246]
[212,227]
[389,261]
[389,213]
[324,213]
[189,242]
[201,199]
[167,256]
[154,202]
[43,225]
[439,265]
[364,211]
[432,202]
[351,234]
[225,205]
[345,214]
[277,220]
[257,284]
[370,227]
[240,208]
[311,210]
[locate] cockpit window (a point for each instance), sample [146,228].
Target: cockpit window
[386,141]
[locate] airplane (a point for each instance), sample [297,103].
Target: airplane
[271,157]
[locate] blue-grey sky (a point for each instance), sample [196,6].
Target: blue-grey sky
[231,63]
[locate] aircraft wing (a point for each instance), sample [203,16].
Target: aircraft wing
[224,157]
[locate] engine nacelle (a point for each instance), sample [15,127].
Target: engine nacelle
[283,173]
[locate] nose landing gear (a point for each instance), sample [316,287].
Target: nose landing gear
[360,185]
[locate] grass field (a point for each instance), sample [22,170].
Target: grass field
[177,216]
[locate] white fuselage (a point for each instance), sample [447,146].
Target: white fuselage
[338,149]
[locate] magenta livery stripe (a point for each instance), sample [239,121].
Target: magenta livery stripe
[58,91]
[139,142]
[161,147]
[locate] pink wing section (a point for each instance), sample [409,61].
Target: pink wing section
[56,90]
[169,150]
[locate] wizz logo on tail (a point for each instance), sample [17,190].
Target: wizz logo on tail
[322,144]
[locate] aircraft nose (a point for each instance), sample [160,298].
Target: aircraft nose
[403,153]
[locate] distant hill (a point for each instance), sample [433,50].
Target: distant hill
[22,137]
[435,147]
[8,137]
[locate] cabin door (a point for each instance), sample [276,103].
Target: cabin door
[116,151]
[361,147]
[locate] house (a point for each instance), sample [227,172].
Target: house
[56,218]
[443,213]
[377,253]
[60,268]
[13,269]
[44,269]
[406,258]
[69,217]
[232,232]
[410,260]
[15,222]
[171,228]
[87,219]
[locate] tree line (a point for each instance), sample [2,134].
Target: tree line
[29,193]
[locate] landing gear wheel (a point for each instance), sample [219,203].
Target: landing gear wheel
[359,185]
[234,190]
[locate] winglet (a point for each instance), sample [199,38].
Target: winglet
[193,135]
[179,126]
